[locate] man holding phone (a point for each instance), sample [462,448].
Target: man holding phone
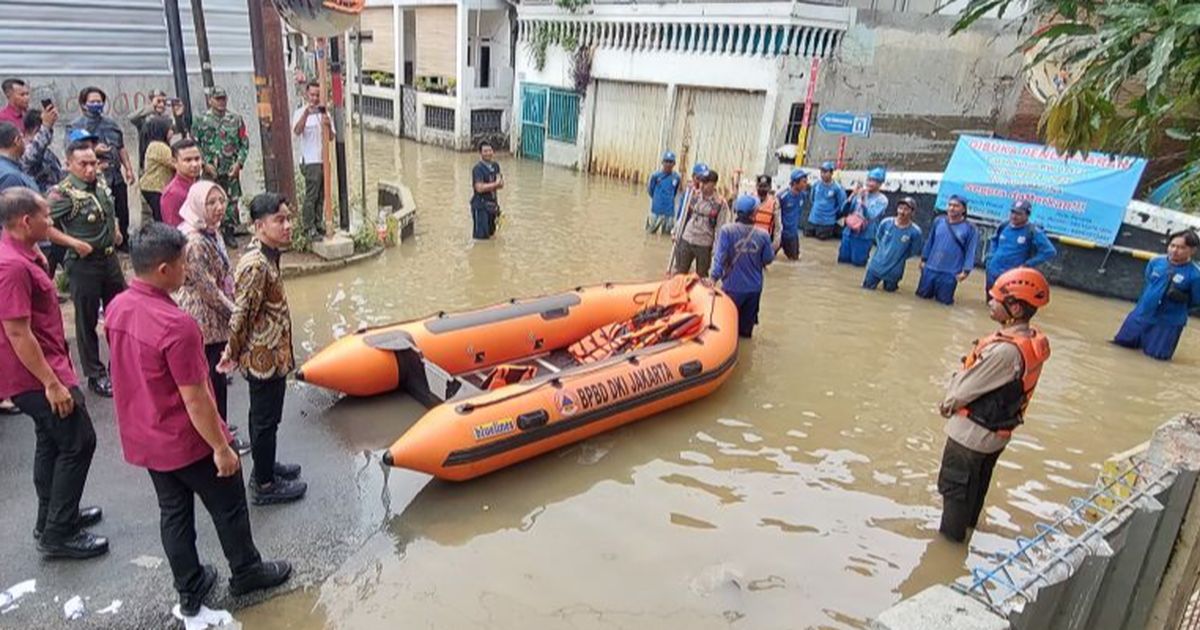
[309,122]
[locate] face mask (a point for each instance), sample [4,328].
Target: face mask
[94,109]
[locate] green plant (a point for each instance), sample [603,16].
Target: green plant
[1134,76]
[545,34]
[366,237]
[571,5]
[300,242]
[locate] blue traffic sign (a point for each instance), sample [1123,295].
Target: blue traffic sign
[845,123]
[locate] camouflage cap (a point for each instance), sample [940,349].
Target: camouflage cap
[217,92]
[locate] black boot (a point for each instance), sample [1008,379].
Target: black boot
[266,575]
[78,547]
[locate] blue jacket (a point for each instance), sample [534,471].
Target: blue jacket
[11,176]
[1169,292]
[1013,247]
[950,248]
[791,208]
[662,189]
[872,210]
[827,201]
[741,254]
[893,246]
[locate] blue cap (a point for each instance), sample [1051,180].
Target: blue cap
[878,174]
[668,156]
[700,169]
[745,204]
[1023,206]
[828,165]
[798,174]
[81,134]
[958,199]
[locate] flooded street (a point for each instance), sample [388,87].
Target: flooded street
[800,495]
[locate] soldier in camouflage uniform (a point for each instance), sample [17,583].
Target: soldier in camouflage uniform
[82,207]
[224,143]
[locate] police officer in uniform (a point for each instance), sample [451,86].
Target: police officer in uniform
[82,207]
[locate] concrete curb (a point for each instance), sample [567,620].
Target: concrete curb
[313,268]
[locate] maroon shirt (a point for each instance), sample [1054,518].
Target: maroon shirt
[27,292]
[173,196]
[155,348]
[13,115]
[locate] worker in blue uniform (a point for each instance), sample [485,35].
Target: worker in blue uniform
[864,210]
[742,253]
[1017,243]
[949,253]
[1172,289]
[662,188]
[897,240]
[827,200]
[792,202]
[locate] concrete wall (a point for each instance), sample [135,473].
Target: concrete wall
[922,87]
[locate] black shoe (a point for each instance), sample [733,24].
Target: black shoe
[78,547]
[267,575]
[101,386]
[189,604]
[88,516]
[241,446]
[287,471]
[279,491]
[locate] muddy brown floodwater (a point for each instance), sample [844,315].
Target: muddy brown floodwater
[800,495]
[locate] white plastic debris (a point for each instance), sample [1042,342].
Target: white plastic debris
[73,609]
[8,599]
[110,609]
[206,618]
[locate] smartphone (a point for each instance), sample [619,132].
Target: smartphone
[47,103]
[321,108]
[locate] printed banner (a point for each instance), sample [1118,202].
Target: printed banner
[1078,196]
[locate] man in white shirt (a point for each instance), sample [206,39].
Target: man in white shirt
[308,123]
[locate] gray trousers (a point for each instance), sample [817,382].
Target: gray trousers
[314,198]
[686,252]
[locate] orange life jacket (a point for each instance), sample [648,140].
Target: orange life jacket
[1003,409]
[507,374]
[640,332]
[764,215]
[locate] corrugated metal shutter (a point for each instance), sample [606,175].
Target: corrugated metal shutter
[377,54]
[626,133]
[719,128]
[437,30]
[79,37]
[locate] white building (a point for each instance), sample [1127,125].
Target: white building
[438,71]
[714,82]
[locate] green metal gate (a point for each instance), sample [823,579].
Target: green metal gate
[533,121]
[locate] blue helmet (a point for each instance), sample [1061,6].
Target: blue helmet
[78,135]
[745,204]
[828,165]
[668,156]
[878,174]
[1022,205]
[700,169]
[798,174]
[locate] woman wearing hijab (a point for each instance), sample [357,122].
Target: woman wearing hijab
[207,292]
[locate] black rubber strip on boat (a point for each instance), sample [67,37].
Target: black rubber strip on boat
[551,307]
[476,453]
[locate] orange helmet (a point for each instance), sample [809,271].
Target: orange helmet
[1023,283]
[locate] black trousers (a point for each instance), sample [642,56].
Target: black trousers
[963,483]
[313,213]
[225,500]
[266,411]
[154,200]
[212,353]
[95,281]
[120,199]
[61,460]
[54,257]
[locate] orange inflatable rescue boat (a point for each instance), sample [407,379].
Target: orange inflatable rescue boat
[512,381]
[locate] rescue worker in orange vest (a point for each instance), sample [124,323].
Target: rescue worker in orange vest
[767,215]
[986,400]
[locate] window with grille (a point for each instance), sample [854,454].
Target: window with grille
[439,117]
[486,121]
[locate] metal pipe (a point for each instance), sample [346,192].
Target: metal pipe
[362,144]
[178,59]
[339,125]
[202,45]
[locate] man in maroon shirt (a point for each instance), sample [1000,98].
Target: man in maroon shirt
[16,92]
[188,165]
[169,423]
[36,373]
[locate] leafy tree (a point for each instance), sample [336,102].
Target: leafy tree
[1135,76]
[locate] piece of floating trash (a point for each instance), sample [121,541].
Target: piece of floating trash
[73,609]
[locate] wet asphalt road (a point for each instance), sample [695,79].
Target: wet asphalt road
[315,534]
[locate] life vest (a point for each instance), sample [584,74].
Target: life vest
[652,326]
[764,215]
[507,374]
[1003,409]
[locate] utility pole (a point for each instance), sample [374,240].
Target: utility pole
[270,82]
[339,126]
[202,46]
[178,59]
